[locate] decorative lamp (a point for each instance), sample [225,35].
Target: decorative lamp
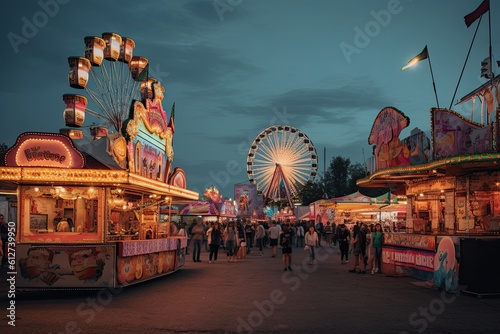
[113,42]
[74,113]
[94,49]
[79,68]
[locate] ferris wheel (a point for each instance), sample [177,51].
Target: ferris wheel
[280,160]
[111,77]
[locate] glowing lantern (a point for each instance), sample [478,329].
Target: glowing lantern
[137,65]
[74,114]
[79,68]
[147,89]
[113,42]
[94,49]
[126,49]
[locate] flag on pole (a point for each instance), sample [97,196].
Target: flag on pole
[473,16]
[421,56]
[171,121]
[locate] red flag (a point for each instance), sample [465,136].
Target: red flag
[473,16]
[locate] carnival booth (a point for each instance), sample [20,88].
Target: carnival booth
[452,194]
[91,212]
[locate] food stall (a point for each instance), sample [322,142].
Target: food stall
[88,212]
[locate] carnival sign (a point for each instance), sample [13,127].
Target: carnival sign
[44,150]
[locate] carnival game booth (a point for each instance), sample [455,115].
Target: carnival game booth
[89,212]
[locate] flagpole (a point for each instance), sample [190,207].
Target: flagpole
[492,75]
[465,63]
[432,76]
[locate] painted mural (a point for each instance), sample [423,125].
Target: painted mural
[419,147]
[65,266]
[245,196]
[454,135]
[388,149]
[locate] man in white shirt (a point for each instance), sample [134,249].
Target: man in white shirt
[300,235]
[274,234]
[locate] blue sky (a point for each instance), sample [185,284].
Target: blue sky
[235,67]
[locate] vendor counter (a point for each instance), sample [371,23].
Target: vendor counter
[141,260]
[97,265]
[140,247]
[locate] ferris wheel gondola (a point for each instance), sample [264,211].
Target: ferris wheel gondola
[110,76]
[280,160]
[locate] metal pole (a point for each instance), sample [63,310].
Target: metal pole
[432,76]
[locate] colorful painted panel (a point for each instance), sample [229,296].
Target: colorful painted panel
[388,149]
[138,268]
[419,147]
[49,266]
[247,200]
[454,135]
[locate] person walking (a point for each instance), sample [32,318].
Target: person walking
[230,237]
[274,234]
[214,236]
[344,238]
[286,247]
[197,234]
[300,236]
[311,239]
[259,238]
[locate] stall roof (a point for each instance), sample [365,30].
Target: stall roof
[199,208]
[96,153]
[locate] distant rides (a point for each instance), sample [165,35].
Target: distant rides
[280,160]
[115,75]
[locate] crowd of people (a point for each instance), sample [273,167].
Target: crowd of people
[241,237]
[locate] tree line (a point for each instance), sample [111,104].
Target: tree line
[338,180]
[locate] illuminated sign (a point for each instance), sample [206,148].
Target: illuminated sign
[44,150]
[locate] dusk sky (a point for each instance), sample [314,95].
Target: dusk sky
[235,67]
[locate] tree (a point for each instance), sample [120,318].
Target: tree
[356,172]
[336,179]
[310,192]
[3,151]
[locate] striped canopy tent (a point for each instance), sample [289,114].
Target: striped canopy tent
[359,202]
